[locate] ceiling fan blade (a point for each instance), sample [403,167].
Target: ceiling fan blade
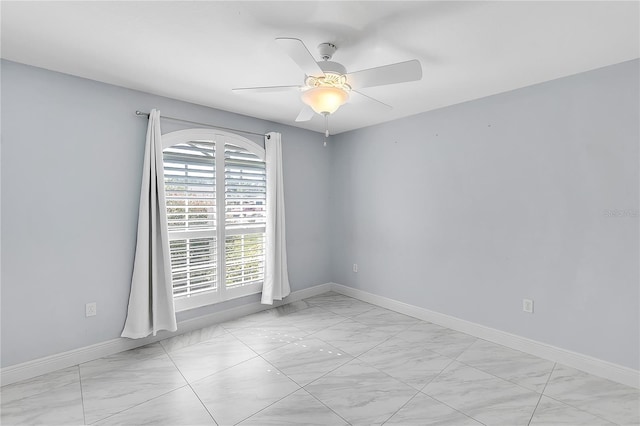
[358,97]
[387,74]
[306,114]
[296,49]
[268,89]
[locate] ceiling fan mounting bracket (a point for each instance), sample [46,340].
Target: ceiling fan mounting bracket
[327,50]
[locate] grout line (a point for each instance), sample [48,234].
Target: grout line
[391,336]
[499,377]
[330,371]
[502,378]
[541,393]
[273,403]
[84,416]
[329,408]
[189,384]
[300,387]
[219,371]
[442,402]
[437,375]
[401,407]
[137,405]
[368,365]
[581,410]
[343,364]
[568,404]
[166,393]
[454,409]
[490,374]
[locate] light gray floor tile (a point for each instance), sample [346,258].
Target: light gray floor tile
[484,397]
[239,392]
[384,319]
[444,341]
[266,316]
[121,360]
[361,394]
[411,363]
[424,410]
[147,386]
[523,369]
[45,383]
[312,319]
[554,413]
[178,407]
[349,308]
[202,359]
[61,405]
[268,337]
[307,359]
[326,298]
[353,337]
[191,338]
[601,397]
[121,388]
[299,408]
[253,320]
[292,307]
[341,305]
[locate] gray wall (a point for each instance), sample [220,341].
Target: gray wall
[469,209]
[464,210]
[72,153]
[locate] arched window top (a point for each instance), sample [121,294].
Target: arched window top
[213,135]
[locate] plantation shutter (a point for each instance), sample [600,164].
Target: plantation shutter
[190,182]
[245,217]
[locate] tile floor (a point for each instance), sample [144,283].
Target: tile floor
[327,360]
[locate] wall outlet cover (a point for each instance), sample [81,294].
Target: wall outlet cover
[91,309]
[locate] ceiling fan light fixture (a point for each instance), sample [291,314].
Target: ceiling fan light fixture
[325,99]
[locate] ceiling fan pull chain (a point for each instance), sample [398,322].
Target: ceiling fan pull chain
[326,128]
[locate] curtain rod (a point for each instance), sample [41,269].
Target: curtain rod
[146,114]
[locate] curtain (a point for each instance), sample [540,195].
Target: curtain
[276,282]
[151,299]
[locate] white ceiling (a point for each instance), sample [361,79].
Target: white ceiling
[198,51]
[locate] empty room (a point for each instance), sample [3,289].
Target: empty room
[320,213]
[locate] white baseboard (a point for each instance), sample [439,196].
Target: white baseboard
[597,367]
[37,367]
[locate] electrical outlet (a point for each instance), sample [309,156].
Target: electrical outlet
[527,305]
[355,267]
[91,309]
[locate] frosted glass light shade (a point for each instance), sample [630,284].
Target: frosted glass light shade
[325,99]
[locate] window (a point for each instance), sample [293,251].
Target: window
[215,188]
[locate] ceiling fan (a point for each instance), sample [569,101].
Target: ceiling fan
[328,85]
